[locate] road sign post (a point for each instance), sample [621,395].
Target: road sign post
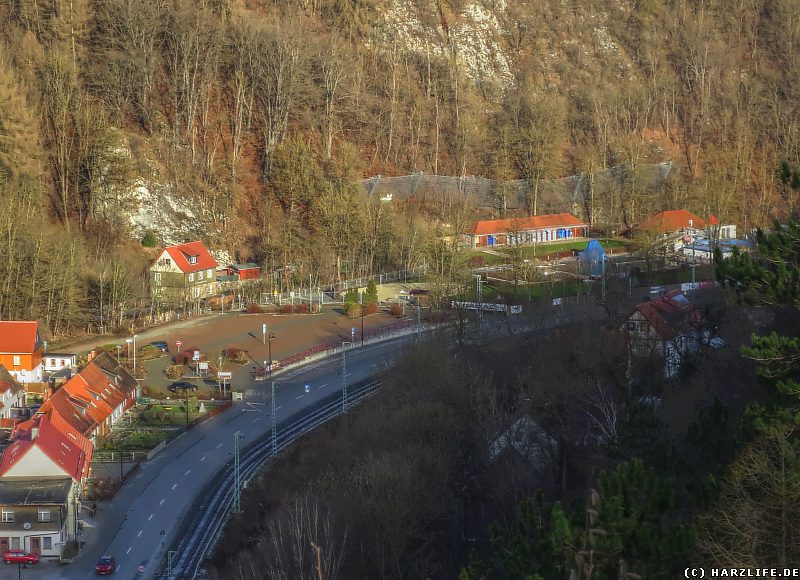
[178,344]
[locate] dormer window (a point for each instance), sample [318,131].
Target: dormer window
[193,259]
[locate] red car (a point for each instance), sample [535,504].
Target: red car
[105,565]
[19,557]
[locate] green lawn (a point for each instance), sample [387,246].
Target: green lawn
[529,251]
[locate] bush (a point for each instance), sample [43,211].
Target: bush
[351,297]
[370,308]
[186,356]
[352,309]
[477,261]
[149,240]
[396,310]
[173,372]
[235,354]
[296,309]
[371,295]
[254,309]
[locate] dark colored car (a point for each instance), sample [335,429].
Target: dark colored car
[160,345]
[181,386]
[105,565]
[19,557]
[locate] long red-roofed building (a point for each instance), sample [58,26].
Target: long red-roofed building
[526,230]
[672,221]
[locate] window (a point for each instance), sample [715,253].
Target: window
[47,543]
[15,543]
[168,262]
[17,361]
[200,275]
[44,515]
[191,277]
[208,275]
[193,259]
[52,362]
[631,327]
[157,278]
[644,327]
[7,515]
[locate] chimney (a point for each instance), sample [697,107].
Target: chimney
[90,356]
[34,432]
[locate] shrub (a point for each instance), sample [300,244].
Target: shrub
[296,309]
[235,354]
[185,356]
[254,309]
[371,295]
[301,308]
[352,309]
[351,297]
[173,372]
[396,310]
[370,308]
[149,240]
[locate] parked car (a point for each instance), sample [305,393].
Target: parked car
[19,557]
[105,565]
[657,290]
[181,386]
[160,345]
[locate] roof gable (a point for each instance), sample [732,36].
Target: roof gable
[671,314]
[191,257]
[525,223]
[7,382]
[19,336]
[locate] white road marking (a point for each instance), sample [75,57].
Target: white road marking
[278,407]
[220,445]
[188,471]
[139,534]
[300,397]
[174,485]
[256,420]
[323,386]
[150,518]
[203,458]
[129,550]
[161,502]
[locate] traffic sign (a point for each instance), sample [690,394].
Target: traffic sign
[178,344]
[196,355]
[353,330]
[264,328]
[224,374]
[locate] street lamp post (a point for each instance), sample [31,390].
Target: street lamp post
[186,396]
[128,342]
[274,421]
[119,348]
[134,352]
[362,326]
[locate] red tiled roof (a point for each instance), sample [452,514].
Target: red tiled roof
[503,226]
[18,336]
[89,398]
[671,221]
[670,314]
[8,382]
[70,451]
[182,252]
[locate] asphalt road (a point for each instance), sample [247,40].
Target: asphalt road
[164,489]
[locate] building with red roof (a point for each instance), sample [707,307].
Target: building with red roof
[92,401]
[525,230]
[183,273]
[12,399]
[672,221]
[669,327]
[21,349]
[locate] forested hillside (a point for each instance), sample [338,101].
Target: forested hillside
[247,124]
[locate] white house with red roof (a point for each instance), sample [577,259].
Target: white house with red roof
[183,273]
[526,230]
[21,349]
[12,399]
[669,327]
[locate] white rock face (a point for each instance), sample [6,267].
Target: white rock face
[474,37]
[160,212]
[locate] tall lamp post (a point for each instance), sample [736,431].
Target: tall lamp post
[362,326]
[134,352]
[274,423]
[186,396]
[237,501]
[128,342]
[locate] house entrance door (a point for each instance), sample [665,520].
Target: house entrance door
[36,545]
[4,544]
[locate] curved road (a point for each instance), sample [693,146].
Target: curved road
[146,512]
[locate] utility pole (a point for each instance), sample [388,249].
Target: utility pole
[479,296]
[344,375]
[237,499]
[274,424]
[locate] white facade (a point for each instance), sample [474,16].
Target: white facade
[57,361]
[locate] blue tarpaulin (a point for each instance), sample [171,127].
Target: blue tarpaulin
[592,259]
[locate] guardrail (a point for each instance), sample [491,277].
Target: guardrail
[212,513]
